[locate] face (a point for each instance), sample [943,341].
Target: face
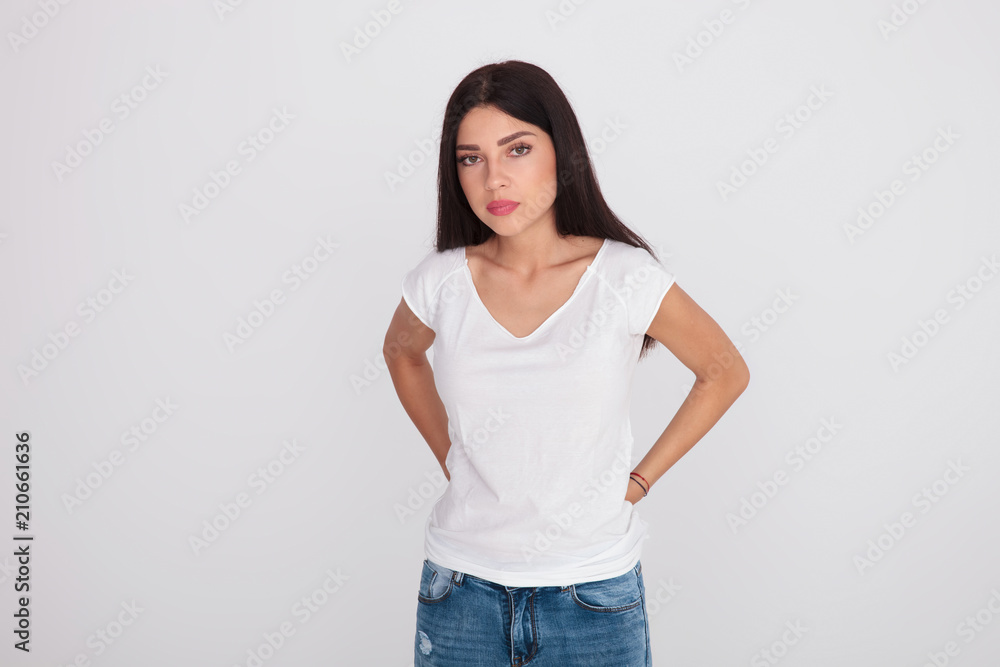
[502,158]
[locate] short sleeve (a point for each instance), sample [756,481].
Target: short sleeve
[416,295]
[647,282]
[421,284]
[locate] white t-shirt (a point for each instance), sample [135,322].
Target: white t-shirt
[541,442]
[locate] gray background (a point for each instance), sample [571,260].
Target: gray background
[353,501]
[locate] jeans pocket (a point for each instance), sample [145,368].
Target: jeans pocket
[436,582]
[619,593]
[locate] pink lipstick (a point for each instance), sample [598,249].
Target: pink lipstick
[501,206]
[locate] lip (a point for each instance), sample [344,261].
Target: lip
[501,206]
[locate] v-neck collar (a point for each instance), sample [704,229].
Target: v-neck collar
[579,284]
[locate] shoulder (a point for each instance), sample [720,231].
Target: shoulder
[627,267]
[640,281]
[434,267]
[435,259]
[623,256]
[422,283]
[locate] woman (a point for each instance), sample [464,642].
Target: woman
[539,302]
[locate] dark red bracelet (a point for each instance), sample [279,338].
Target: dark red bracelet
[640,477]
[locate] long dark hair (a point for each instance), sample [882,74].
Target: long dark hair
[530,94]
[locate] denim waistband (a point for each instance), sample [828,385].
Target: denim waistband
[458,578]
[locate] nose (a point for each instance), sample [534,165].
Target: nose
[496,176]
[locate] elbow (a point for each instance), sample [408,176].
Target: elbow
[731,380]
[740,376]
[743,380]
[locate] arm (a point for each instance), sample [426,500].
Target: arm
[721,376]
[404,349]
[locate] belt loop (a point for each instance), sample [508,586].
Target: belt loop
[457,577]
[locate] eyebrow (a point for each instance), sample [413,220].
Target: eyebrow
[501,142]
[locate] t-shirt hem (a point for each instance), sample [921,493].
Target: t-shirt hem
[533,579]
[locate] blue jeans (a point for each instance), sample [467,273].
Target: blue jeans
[465,621]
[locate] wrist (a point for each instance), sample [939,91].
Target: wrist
[635,478]
[641,481]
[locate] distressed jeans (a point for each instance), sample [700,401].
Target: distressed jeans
[465,621]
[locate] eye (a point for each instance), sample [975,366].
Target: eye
[526,148]
[516,147]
